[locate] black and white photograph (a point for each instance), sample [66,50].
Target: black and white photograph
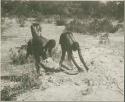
[62,50]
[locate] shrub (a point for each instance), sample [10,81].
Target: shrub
[21,21]
[105,25]
[76,26]
[5,94]
[18,55]
[27,82]
[91,27]
[60,22]
[116,28]
[30,80]
[39,17]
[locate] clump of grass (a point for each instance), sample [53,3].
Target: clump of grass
[27,82]
[5,94]
[30,80]
[18,55]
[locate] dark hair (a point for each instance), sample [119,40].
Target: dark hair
[51,44]
[75,46]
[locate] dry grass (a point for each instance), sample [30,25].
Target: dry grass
[26,82]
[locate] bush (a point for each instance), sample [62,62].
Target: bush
[5,94]
[30,80]
[105,25]
[60,22]
[76,26]
[18,55]
[21,21]
[92,27]
[27,82]
[116,28]
[40,17]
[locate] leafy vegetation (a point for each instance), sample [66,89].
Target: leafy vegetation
[99,13]
[60,22]
[79,9]
[92,26]
[21,21]
[27,82]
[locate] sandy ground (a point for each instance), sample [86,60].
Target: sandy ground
[103,82]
